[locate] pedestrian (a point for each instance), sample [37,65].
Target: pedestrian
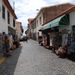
[6,46]
[3,42]
[11,41]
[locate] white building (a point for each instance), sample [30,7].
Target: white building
[39,22]
[7,17]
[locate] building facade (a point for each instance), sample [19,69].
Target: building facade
[29,34]
[33,29]
[47,14]
[7,17]
[61,29]
[19,29]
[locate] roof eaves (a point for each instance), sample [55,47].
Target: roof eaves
[65,12]
[6,2]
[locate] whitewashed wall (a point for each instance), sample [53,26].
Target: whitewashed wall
[11,22]
[3,22]
[72,19]
[38,25]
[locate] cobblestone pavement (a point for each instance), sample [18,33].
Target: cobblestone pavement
[33,59]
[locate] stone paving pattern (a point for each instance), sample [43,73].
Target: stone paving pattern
[32,59]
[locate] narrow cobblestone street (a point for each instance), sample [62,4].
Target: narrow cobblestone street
[32,59]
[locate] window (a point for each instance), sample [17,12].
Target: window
[8,16]
[3,12]
[13,23]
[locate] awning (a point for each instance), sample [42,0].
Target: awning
[62,20]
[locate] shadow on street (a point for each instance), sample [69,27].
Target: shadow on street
[8,67]
[71,57]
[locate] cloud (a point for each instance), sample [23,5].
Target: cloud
[27,9]
[53,2]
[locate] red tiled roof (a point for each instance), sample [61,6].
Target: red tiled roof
[6,2]
[68,10]
[52,7]
[65,12]
[30,21]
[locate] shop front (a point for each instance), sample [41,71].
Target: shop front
[53,31]
[45,36]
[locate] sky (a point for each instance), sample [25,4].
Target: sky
[25,9]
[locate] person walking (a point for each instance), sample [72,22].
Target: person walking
[3,42]
[6,46]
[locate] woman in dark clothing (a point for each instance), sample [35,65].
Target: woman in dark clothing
[7,46]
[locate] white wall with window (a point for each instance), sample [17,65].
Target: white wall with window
[39,22]
[72,18]
[3,18]
[12,21]
[6,18]
[72,24]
